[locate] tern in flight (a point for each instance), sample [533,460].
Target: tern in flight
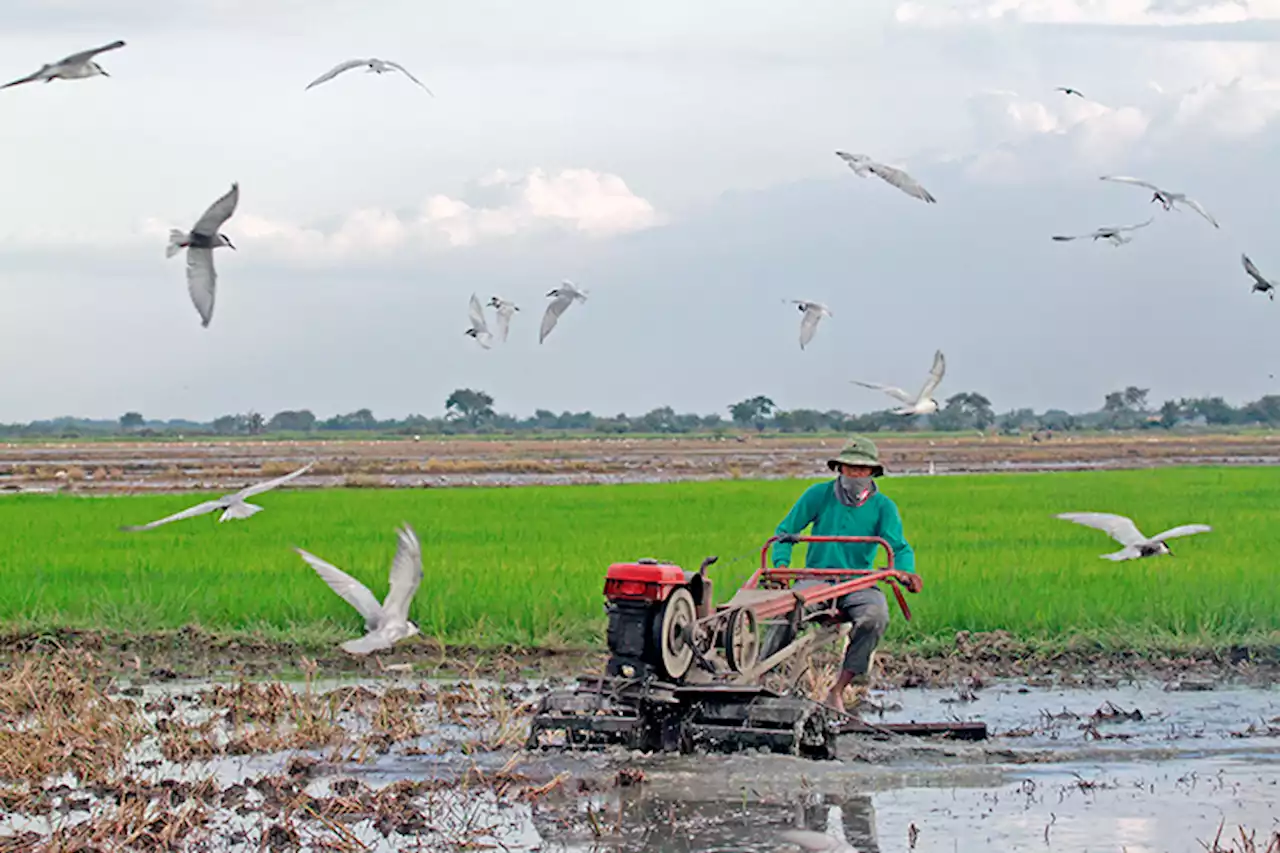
[77,66]
[479,328]
[1114,233]
[923,403]
[1069,91]
[233,506]
[813,312]
[503,309]
[1260,284]
[1165,197]
[861,164]
[202,278]
[1124,531]
[377,66]
[562,297]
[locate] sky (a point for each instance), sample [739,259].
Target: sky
[677,162]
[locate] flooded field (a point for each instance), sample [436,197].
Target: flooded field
[158,466]
[398,763]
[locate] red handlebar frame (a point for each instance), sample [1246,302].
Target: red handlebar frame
[862,578]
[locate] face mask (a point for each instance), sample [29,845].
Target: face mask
[855,491]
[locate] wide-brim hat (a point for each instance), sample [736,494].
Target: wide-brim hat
[861,452]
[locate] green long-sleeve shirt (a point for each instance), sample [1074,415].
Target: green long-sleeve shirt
[820,507]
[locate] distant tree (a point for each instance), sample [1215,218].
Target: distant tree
[753,411]
[131,420]
[1170,414]
[966,410]
[1136,398]
[1265,410]
[227,424]
[254,423]
[1114,402]
[1214,410]
[1057,420]
[469,406]
[290,421]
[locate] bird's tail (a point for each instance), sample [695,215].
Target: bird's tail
[176,239]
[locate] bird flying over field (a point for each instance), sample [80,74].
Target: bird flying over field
[562,297]
[1259,283]
[503,309]
[377,66]
[1124,531]
[861,164]
[1069,91]
[77,66]
[1166,198]
[1108,232]
[923,403]
[386,623]
[813,313]
[234,506]
[479,328]
[202,278]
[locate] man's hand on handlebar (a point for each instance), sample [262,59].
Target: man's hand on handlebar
[911,581]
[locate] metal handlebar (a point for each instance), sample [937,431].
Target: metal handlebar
[889,573]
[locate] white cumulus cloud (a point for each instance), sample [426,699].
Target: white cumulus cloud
[1111,12]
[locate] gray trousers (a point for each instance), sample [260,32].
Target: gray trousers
[868,613]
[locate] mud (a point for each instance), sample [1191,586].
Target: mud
[400,762]
[128,467]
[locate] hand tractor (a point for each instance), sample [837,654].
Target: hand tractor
[685,674]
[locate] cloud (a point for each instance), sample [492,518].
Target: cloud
[1107,12]
[498,206]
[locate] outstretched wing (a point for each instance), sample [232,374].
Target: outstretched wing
[405,71]
[503,313]
[259,488]
[1124,179]
[557,307]
[1062,238]
[202,282]
[1132,227]
[1195,205]
[1252,270]
[809,324]
[85,55]
[936,373]
[1119,528]
[859,163]
[371,642]
[902,181]
[351,590]
[891,390]
[199,509]
[406,575]
[1181,530]
[336,70]
[218,213]
[476,312]
[816,842]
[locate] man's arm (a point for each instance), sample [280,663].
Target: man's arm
[904,557]
[800,517]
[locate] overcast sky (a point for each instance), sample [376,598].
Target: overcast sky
[677,161]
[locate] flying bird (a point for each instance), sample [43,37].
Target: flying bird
[1124,531]
[503,309]
[1165,197]
[813,312]
[1110,232]
[563,297]
[202,278]
[861,164]
[377,66]
[923,403]
[386,623]
[234,506]
[479,328]
[74,67]
[1069,91]
[817,842]
[1259,283]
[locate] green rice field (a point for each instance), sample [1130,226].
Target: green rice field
[525,566]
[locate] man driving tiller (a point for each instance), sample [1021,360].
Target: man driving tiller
[849,505]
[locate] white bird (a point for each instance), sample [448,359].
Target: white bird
[923,403]
[1124,531]
[479,328]
[503,309]
[861,164]
[1259,283]
[563,297]
[377,66]
[234,506]
[74,67]
[202,278]
[817,842]
[1165,197]
[1108,232]
[813,312]
[387,623]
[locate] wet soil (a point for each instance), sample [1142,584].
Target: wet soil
[128,467]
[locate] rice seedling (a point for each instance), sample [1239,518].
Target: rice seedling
[524,567]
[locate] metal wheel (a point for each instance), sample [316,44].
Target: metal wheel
[678,616]
[741,640]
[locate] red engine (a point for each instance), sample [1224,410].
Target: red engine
[647,601]
[642,581]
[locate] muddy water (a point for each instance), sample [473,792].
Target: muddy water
[1136,767]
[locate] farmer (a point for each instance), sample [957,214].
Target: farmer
[850,505]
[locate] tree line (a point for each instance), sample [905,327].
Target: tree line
[472,411]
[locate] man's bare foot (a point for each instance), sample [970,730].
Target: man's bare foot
[835,701]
